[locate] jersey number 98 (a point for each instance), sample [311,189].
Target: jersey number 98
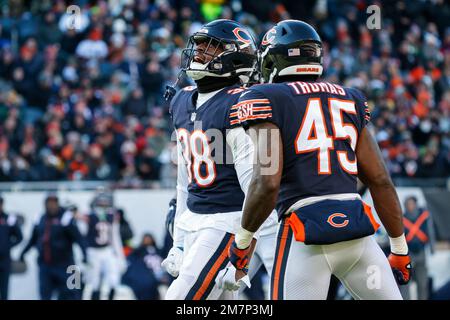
[197,153]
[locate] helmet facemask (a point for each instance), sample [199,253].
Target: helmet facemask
[222,58]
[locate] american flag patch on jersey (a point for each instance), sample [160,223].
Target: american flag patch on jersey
[293,52]
[251,109]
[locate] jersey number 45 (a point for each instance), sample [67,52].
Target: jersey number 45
[314,137]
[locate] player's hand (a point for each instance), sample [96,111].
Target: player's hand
[231,279]
[170,217]
[172,263]
[240,258]
[226,279]
[401,267]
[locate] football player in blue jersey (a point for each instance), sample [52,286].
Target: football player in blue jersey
[315,136]
[263,254]
[214,162]
[104,247]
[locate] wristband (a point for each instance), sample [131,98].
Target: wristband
[243,238]
[399,245]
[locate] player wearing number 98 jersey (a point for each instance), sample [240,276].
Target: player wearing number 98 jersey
[315,134]
[214,163]
[213,185]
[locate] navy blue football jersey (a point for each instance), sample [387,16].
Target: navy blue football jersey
[99,233]
[213,183]
[319,123]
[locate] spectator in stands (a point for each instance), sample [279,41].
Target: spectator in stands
[119,57]
[93,47]
[99,168]
[135,104]
[5,160]
[78,168]
[152,80]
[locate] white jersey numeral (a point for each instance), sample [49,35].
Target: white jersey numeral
[343,131]
[313,134]
[196,152]
[102,233]
[185,142]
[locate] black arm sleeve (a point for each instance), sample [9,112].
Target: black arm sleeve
[15,235]
[32,242]
[76,236]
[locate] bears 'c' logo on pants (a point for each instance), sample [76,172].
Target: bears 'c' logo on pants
[332,221]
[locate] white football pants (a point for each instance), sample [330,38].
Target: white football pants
[103,263]
[302,272]
[205,254]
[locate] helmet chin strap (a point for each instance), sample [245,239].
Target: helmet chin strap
[197,70]
[244,79]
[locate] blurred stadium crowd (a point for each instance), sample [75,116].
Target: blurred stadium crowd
[86,103]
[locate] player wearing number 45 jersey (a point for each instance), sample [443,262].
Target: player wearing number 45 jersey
[323,146]
[214,164]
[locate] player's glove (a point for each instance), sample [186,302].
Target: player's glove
[170,217]
[172,263]
[226,279]
[401,267]
[239,257]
